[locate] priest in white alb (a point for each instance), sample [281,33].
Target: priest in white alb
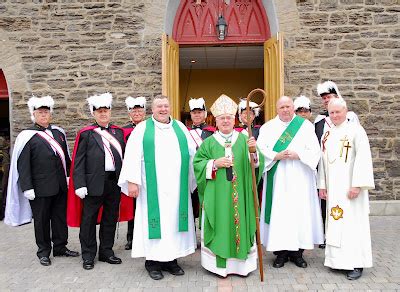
[345,176]
[158,171]
[290,214]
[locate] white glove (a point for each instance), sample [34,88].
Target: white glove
[81,192]
[30,194]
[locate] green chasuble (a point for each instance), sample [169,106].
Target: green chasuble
[223,235]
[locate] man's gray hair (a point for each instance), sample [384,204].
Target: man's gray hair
[337,101]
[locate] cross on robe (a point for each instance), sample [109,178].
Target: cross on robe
[347,146]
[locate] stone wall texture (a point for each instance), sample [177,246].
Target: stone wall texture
[71,49]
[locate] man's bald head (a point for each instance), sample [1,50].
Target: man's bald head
[285,108]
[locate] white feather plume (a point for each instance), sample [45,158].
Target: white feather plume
[98,101]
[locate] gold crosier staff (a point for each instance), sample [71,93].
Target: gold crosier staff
[253,174]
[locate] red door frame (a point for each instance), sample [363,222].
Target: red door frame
[3,86]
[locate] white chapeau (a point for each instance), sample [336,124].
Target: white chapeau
[173,244]
[296,221]
[348,239]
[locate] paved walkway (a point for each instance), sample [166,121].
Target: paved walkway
[20,269]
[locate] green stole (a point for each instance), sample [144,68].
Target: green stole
[153,209]
[281,144]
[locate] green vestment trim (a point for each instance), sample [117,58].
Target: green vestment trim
[219,229]
[153,209]
[281,144]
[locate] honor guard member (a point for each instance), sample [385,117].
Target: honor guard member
[38,181]
[302,107]
[328,90]
[137,113]
[254,112]
[198,131]
[96,165]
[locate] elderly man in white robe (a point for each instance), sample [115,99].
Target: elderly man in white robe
[345,176]
[158,171]
[290,216]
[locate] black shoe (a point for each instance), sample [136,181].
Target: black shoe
[173,268]
[354,274]
[45,261]
[156,274]
[88,264]
[279,262]
[111,260]
[299,261]
[128,245]
[322,246]
[66,253]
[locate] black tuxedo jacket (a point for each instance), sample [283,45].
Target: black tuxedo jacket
[319,129]
[40,168]
[89,163]
[130,127]
[205,131]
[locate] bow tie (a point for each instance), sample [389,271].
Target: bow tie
[325,113]
[197,127]
[104,128]
[41,128]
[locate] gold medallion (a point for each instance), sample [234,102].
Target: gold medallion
[336,212]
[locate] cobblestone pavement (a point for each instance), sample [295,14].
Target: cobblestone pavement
[20,269]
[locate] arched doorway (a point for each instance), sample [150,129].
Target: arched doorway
[196,63]
[4,141]
[4,106]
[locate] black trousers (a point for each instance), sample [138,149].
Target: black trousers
[157,266]
[289,253]
[131,224]
[195,204]
[91,205]
[50,223]
[323,212]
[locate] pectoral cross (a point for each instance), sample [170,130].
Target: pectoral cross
[343,141]
[347,146]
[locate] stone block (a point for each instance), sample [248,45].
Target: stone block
[128,23]
[61,83]
[385,44]
[338,19]
[351,2]
[386,19]
[352,45]
[359,18]
[337,63]
[15,23]
[315,19]
[327,5]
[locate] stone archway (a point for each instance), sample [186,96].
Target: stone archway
[16,76]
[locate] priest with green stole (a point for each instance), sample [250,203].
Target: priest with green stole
[223,173]
[157,170]
[290,214]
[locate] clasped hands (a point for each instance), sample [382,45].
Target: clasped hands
[352,194]
[287,155]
